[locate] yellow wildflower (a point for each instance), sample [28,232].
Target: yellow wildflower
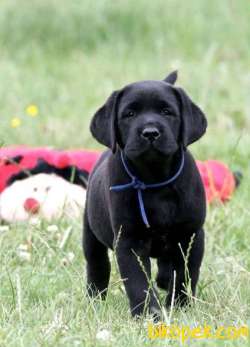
[15,122]
[32,110]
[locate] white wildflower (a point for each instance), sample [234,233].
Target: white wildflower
[52,228]
[104,335]
[68,259]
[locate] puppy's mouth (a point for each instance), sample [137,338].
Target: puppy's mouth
[151,149]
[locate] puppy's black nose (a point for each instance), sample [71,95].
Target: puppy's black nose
[150,134]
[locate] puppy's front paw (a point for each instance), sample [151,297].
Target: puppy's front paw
[156,313]
[153,310]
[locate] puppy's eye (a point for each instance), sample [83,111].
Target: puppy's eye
[130,114]
[166,111]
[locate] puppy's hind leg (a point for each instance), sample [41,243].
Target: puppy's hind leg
[186,263]
[164,277]
[98,265]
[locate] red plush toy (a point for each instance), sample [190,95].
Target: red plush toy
[22,167]
[218,180]
[15,160]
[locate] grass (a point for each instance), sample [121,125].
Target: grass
[67,57]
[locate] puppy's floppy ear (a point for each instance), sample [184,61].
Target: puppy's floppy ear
[194,122]
[172,77]
[103,124]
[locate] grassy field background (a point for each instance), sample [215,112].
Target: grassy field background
[66,58]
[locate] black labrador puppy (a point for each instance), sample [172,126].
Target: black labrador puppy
[145,197]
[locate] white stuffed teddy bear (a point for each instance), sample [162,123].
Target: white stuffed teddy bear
[45,196]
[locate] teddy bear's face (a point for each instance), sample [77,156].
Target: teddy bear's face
[41,196]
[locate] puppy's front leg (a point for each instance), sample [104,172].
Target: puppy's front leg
[136,273]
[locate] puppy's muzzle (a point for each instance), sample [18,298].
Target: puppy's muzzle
[150,134]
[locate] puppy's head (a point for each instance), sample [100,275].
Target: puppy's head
[149,118]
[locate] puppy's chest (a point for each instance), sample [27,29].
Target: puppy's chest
[162,209]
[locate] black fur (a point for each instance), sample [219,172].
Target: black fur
[176,212]
[14,160]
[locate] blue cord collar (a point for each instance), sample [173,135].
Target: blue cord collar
[139,185]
